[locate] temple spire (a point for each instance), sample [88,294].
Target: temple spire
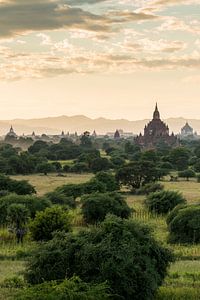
[156,114]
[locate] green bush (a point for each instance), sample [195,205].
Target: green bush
[108,180]
[150,188]
[77,190]
[72,289]
[187,174]
[61,199]
[20,187]
[184,225]
[95,207]
[32,203]
[164,201]
[79,167]
[13,282]
[121,252]
[47,222]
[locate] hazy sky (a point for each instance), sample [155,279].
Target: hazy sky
[111,58]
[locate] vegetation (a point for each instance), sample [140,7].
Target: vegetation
[21,187]
[164,201]
[47,222]
[95,207]
[128,175]
[117,251]
[72,289]
[184,225]
[31,203]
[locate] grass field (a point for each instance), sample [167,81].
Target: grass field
[183,280]
[45,184]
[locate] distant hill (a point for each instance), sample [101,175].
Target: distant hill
[54,125]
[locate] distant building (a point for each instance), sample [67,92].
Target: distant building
[94,134]
[121,133]
[11,135]
[117,135]
[187,132]
[155,132]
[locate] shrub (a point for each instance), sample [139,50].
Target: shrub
[79,167]
[72,289]
[187,174]
[117,161]
[14,282]
[77,190]
[20,187]
[17,215]
[150,188]
[71,190]
[164,201]
[32,203]
[108,180]
[66,168]
[95,207]
[100,164]
[121,252]
[93,186]
[184,225]
[60,199]
[48,221]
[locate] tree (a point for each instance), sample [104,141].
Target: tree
[137,174]
[150,188]
[18,216]
[179,158]
[45,168]
[122,253]
[60,198]
[117,161]
[100,164]
[20,187]
[80,167]
[95,207]
[50,220]
[108,179]
[184,225]
[187,174]
[38,146]
[164,201]
[32,203]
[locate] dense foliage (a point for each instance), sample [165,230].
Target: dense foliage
[32,203]
[48,221]
[72,289]
[137,173]
[184,224]
[95,207]
[60,198]
[20,187]
[164,201]
[121,252]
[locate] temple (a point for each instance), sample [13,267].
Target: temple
[156,132]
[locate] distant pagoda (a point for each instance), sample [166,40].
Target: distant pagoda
[155,132]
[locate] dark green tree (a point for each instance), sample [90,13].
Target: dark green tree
[137,174]
[121,252]
[164,201]
[95,207]
[48,221]
[184,224]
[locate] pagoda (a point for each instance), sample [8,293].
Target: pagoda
[156,132]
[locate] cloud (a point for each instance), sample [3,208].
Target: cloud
[159,5]
[19,17]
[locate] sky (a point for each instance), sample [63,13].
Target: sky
[99,58]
